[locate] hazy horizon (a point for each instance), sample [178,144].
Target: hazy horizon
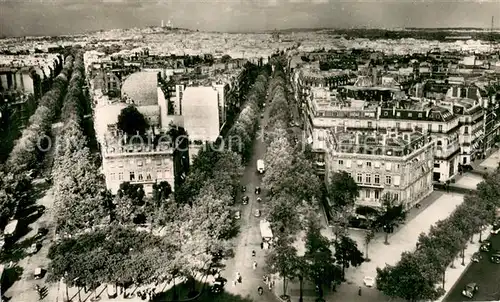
[60,17]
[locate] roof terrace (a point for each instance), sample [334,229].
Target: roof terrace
[375,143]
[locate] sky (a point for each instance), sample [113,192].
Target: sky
[55,17]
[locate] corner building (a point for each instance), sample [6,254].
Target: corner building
[398,164]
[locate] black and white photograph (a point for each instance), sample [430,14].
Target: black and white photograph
[249,150]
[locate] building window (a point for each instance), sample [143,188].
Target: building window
[410,114]
[429,127]
[159,174]
[398,125]
[369,124]
[368,193]
[359,177]
[440,128]
[132,176]
[139,163]
[466,130]
[368,163]
[341,162]
[166,174]
[388,180]
[377,178]
[420,115]
[120,176]
[368,178]
[148,160]
[377,194]
[437,165]
[148,176]
[120,165]
[395,196]
[158,162]
[112,176]
[140,176]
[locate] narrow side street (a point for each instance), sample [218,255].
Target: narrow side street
[23,290]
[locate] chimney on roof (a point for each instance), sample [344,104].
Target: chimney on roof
[357,138]
[393,110]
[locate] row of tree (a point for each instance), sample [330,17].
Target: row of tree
[418,274]
[79,191]
[292,203]
[29,150]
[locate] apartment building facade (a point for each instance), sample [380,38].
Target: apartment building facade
[399,165]
[138,162]
[326,110]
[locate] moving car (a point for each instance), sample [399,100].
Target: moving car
[369,281]
[485,246]
[39,273]
[469,290]
[257,190]
[237,215]
[260,166]
[257,213]
[495,257]
[245,199]
[476,257]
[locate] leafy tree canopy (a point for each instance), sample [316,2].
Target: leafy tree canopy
[131,121]
[342,189]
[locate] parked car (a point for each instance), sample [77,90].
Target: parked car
[41,233]
[469,290]
[257,213]
[34,248]
[496,227]
[262,115]
[243,189]
[245,199]
[40,209]
[495,257]
[485,246]
[369,281]
[257,190]
[259,199]
[476,257]
[237,215]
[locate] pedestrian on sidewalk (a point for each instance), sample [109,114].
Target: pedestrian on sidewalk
[253,253]
[359,291]
[234,282]
[262,245]
[254,265]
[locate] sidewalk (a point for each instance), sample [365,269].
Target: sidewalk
[403,240]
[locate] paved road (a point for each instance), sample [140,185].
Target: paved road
[485,274]
[249,237]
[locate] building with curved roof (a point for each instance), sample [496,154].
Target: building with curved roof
[141,88]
